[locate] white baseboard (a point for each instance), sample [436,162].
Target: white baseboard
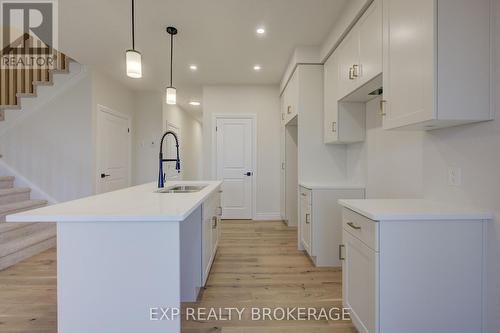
[267,217]
[21,181]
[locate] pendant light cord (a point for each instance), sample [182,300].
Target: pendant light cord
[171,56]
[133,26]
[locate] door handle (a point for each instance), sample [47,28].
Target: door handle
[103,175]
[308,218]
[249,173]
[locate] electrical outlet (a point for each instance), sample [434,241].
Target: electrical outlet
[454,176]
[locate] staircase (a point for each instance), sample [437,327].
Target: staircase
[21,240]
[16,84]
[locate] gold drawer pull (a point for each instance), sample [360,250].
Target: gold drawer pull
[355,71]
[289,109]
[352,225]
[340,252]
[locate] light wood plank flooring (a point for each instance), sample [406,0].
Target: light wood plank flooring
[257,265]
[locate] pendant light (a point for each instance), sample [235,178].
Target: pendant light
[171,92]
[133,57]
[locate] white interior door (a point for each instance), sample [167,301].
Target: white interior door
[234,158]
[113,150]
[170,151]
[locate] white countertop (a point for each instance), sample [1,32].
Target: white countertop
[413,209]
[134,204]
[331,186]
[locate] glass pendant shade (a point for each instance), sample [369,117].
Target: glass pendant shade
[134,64]
[171,96]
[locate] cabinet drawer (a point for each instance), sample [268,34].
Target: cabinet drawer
[363,228]
[306,195]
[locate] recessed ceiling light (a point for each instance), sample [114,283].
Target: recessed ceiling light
[193,67]
[261,31]
[257,68]
[194,103]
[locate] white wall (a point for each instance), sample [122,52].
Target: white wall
[190,142]
[50,141]
[390,163]
[263,101]
[147,130]
[415,164]
[116,96]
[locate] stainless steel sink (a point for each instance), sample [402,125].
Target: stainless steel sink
[182,189]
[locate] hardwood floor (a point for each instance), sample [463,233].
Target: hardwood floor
[28,295]
[257,266]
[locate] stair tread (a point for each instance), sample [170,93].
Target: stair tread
[14,190]
[18,244]
[21,205]
[9,226]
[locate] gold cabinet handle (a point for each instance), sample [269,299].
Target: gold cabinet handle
[214,222]
[355,71]
[352,225]
[289,109]
[382,107]
[308,218]
[334,126]
[340,252]
[351,73]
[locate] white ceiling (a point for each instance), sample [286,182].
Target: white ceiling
[219,36]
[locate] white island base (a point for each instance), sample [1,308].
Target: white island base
[113,268]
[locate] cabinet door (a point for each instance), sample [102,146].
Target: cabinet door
[408,53]
[206,247]
[359,281]
[292,96]
[348,52]
[215,234]
[283,109]
[370,43]
[305,223]
[331,93]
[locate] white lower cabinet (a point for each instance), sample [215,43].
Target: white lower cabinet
[305,219]
[360,282]
[320,222]
[413,276]
[210,232]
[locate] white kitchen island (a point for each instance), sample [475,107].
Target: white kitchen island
[127,256]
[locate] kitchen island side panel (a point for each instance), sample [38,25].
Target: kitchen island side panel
[109,275]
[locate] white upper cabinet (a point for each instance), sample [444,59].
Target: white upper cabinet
[360,53]
[348,62]
[370,43]
[291,98]
[355,62]
[436,63]
[331,96]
